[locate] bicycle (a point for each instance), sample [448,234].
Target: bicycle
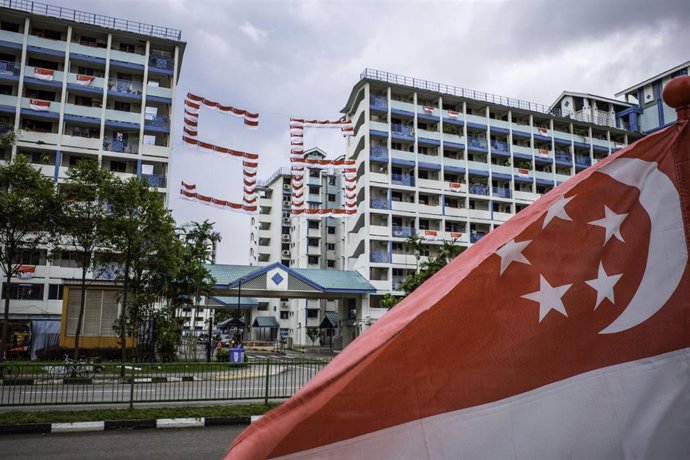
[10,371]
[74,369]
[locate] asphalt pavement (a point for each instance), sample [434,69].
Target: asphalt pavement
[168,444]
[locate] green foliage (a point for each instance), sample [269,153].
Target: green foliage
[313,334]
[448,251]
[526,164]
[28,205]
[7,136]
[223,355]
[168,333]
[452,129]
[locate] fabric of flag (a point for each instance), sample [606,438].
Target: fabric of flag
[25,272]
[453,113]
[39,105]
[564,333]
[522,172]
[43,74]
[84,80]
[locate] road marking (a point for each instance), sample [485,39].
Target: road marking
[77,427]
[179,422]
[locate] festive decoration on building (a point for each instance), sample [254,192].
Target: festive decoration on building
[249,160]
[44,74]
[453,113]
[39,105]
[84,80]
[300,164]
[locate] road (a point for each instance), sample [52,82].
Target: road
[169,444]
[283,381]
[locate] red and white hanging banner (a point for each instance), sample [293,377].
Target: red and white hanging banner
[544,153]
[522,172]
[25,272]
[428,108]
[456,235]
[84,80]
[39,105]
[455,186]
[430,234]
[251,120]
[187,192]
[453,113]
[543,131]
[44,74]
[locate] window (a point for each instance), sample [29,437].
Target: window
[118,166]
[23,291]
[331,230]
[331,264]
[83,131]
[6,90]
[284,314]
[331,180]
[313,172]
[83,100]
[127,48]
[313,190]
[123,106]
[26,257]
[55,292]
[312,313]
[313,224]
[313,242]
[331,197]
[330,246]
[313,260]
[87,41]
[42,63]
[9,26]
[90,71]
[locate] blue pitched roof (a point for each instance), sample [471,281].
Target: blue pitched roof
[323,280]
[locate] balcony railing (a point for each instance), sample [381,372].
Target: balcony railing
[564,157]
[502,192]
[474,237]
[91,18]
[404,131]
[479,189]
[122,146]
[379,257]
[125,86]
[401,179]
[379,102]
[161,62]
[477,142]
[379,152]
[402,232]
[157,120]
[397,283]
[583,160]
[500,146]
[379,203]
[9,68]
[154,180]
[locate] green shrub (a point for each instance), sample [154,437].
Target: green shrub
[223,355]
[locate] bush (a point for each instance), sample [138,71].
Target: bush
[106,354]
[223,355]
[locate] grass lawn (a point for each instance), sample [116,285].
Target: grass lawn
[15,418]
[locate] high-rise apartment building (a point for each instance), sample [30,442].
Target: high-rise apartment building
[80,85]
[450,163]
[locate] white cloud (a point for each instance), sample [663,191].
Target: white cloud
[254,33]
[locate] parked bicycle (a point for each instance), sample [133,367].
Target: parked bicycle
[75,369]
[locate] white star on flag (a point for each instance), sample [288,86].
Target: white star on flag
[512,252]
[548,297]
[557,210]
[603,284]
[612,223]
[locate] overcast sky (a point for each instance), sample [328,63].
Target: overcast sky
[301,58]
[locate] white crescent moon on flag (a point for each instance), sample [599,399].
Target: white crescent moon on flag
[668,254]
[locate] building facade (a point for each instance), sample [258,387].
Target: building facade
[79,85]
[449,163]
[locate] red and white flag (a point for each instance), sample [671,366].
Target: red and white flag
[25,272]
[84,80]
[543,131]
[455,186]
[428,108]
[522,172]
[39,105]
[43,74]
[453,113]
[430,234]
[544,153]
[564,333]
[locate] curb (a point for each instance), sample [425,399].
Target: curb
[109,425]
[84,381]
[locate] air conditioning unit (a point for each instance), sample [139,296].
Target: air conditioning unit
[286,219]
[284,304]
[285,237]
[286,204]
[285,253]
[286,186]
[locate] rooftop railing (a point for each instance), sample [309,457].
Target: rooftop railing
[388,77]
[92,19]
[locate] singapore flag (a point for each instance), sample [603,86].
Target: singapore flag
[564,333]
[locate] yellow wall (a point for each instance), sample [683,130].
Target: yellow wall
[86,342]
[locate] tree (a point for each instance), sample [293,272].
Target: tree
[146,249]
[84,222]
[27,202]
[415,244]
[448,251]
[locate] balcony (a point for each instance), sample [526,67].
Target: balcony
[379,257]
[156,181]
[54,80]
[84,50]
[12,37]
[502,192]
[9,70]
[429,209]
[379,230]
[583,160]
[379,203]
[158,91]
[160,62]
[402,232]
[502,216]
[122,146]
[128,58]
[455,212]
[429,135]
[479,189]
[379,102]
[429,183]
[477,143]
[25,135]
[476,236]
[378,127]
[86,111]
[479,214]
[9,101]
[97,82]
[402,131]
[126,117]
[403,206]
[159,123]
[507,170]
[39,42]
[403,155]
[401,179]
[125,87]
[155,150]
[91,143]
[526,196]
[379,153]
[522,150]
[403,106]
[564,158]
[500,146]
